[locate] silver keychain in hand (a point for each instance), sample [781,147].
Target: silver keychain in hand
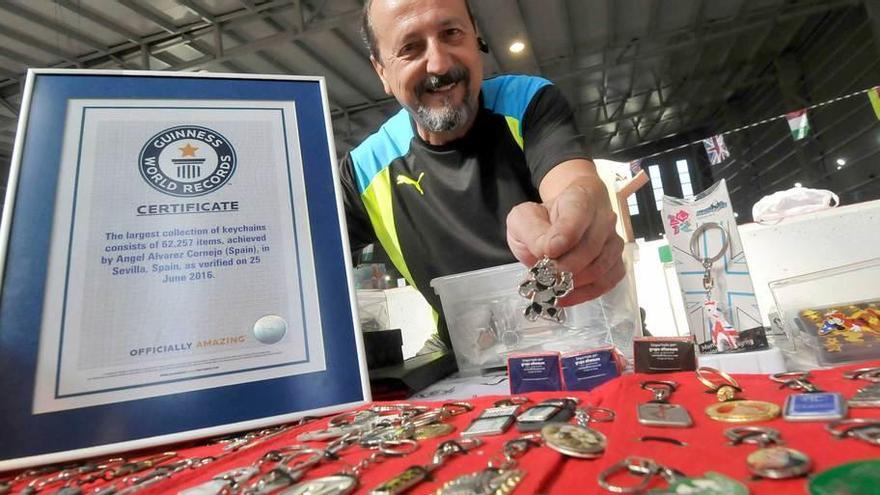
[543,287]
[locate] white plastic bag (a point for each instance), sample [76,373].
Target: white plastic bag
[795,201]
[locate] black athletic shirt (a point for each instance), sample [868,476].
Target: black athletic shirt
[441,210]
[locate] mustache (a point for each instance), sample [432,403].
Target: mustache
[433,81]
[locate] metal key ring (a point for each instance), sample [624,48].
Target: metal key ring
[599,414]
[351,417]
[849,426]
[450,409]
[868,374]
[398,447]
[637,466]
[515,400]
[695,243]
[652,385]
[789,376]
[760,435]
[713,387]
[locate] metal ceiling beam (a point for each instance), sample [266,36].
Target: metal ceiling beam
[9,107]
[27,39]
[272,40]
[530,40]
[156,43]
[279,27]
[873,9]
[761,100]
[59,28]
[720,31]
[99,19]
[333,72]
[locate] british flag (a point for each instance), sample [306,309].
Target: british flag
[716,149]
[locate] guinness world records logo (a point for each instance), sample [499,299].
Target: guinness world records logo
[187,161]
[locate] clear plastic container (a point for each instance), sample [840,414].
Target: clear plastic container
[484,313]
[830,316]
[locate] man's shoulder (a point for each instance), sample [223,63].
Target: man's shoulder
[390,142]
[511,94]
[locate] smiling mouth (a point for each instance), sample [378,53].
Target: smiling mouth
[442,89]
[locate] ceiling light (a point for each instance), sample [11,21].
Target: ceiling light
[517,47]
[839,167]
[798,184]
[735,215]
[841,162]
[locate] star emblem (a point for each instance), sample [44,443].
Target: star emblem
[188,150]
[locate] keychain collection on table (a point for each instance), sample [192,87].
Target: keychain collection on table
[391,433]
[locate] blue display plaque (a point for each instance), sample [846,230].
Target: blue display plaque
[173,261]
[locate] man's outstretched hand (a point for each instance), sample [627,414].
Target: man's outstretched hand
[576,228]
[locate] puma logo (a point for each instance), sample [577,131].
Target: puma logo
[402,179]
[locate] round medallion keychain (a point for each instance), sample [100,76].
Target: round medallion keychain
[731,409]
[578,440]
[772,460]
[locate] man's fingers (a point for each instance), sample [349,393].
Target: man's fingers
[527,226]
[571,214]
[591,247]
[592,291]
[608,257]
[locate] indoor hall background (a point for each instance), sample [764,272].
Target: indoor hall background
[643,76]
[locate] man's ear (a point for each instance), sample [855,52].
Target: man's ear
[380,70]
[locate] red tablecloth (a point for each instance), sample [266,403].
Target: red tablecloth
[550,472]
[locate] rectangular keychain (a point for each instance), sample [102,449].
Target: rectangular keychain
[812,404]
[659,412]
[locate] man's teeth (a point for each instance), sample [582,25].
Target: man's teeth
[442,88]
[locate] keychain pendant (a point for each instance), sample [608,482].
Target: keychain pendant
[409,478]
[818,406]
[742,411]
[432,431]
[708,484]
[489,481]
[778,463]
[866,397]
[664,415]
[336,484]
[226,480]
[574,440]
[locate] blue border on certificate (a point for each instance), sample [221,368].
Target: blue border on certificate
[25,434]
[70,243]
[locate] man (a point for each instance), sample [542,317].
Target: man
[471,173]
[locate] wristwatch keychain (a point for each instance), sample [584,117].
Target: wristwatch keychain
[723,334]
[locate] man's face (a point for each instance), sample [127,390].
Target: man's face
[429,60]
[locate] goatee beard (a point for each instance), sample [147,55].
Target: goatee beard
[448,117]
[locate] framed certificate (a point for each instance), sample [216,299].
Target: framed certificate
[174,263]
